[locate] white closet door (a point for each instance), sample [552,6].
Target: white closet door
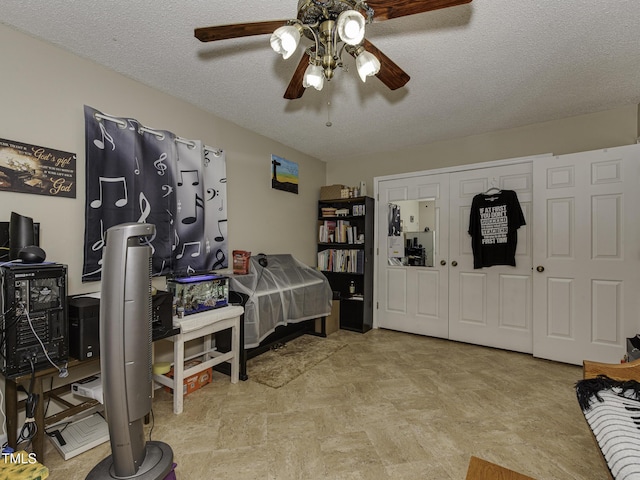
[490,306]
[410,298]
[586,254]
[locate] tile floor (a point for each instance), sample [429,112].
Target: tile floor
[388,406]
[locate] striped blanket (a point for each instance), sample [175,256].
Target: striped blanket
[612,411]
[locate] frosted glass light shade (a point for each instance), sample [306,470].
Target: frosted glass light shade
[313,77]
[367,65]
[350,27]
[284,40]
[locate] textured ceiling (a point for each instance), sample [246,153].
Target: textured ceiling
[484,66]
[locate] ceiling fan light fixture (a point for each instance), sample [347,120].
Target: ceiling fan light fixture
[313,77]
[335,27]
[350,27]
[367,65]
[285,40]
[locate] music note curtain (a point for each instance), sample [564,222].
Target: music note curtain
[138,174]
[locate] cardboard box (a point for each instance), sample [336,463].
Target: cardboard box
[331,192]
[332,323]
[194,382]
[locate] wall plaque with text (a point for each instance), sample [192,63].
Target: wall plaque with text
[26,168]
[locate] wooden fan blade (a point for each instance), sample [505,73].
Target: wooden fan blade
[224,32]
[388,9]
[390,73]
[295,88]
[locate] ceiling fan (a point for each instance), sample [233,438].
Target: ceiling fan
[333,26]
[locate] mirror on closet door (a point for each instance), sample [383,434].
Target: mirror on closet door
[411,240]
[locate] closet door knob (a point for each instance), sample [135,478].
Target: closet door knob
[540,268]
[454,264]
[443,263]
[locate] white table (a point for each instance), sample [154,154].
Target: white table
[202,326]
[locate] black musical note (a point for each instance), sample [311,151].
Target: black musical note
[195,182]
[220,259]
[199,203]
[213,192]
[105,136]
[120,202]
[220,238]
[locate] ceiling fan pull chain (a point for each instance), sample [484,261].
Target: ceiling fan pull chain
[329,93]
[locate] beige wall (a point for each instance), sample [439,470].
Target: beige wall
[43,90]
[610,128]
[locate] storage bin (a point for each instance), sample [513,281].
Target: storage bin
[331,192]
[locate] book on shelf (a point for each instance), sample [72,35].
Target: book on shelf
[341,261]
[337,231]
[326,231]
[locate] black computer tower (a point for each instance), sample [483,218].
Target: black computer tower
[84,327]
[34,318]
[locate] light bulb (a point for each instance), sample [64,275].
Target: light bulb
[350,25]
[285,39]
[313,77]
[351,28]
[367,65]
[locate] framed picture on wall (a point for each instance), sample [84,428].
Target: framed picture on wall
[284,174]
[26,168]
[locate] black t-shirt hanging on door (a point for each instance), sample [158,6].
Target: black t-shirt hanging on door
[493,226]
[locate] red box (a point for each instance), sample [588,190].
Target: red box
[194,382]
[241,262]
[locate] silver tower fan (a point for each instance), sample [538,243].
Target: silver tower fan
[125,357]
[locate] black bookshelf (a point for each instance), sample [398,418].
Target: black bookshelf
[346,257]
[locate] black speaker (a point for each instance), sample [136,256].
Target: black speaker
[262,260]
[21,234]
